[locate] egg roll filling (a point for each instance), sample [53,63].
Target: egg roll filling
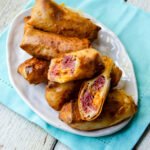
[87,98]
[68,62]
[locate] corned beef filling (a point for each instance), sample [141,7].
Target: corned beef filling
[68,62]
[88,97]
[86,100]
[55,71]
[98,83]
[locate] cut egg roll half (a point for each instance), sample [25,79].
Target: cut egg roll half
[117,108]
[93,93]
[77,65]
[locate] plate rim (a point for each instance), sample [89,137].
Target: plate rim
[115,128]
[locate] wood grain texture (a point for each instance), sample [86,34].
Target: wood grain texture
[143,4]
[17,133]
[144,142]
[60,146]
[8,10]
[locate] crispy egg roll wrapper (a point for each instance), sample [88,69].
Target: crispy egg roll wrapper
[75,66]
[46,45]
[57,94]
[34,70]
[116,74]
[118,107]
[93,92]
[49,16]
[34,76]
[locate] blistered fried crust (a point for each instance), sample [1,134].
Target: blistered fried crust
[49,16]
[115,75]
[118,107]
[74,66]
[34,70]
[93,93]
[57,94]
[48,45]
[70,112]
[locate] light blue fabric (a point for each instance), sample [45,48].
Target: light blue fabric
[133,28]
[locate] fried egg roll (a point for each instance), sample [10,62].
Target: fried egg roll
[118,107]
[57,94]
[46,45]
[93,93]
[34,70]
[74,66]
[49,16]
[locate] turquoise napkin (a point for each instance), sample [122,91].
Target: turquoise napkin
[133,28]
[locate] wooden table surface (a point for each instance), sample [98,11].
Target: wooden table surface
[17,133]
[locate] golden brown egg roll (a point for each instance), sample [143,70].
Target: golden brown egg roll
[33,77]
[74,66]
[93,92]
[34,70]
[57,94]
[49,16]
[118,107]
[116,73]
[46,45]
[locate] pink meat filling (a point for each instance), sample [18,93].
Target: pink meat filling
[68,62]
[99,83]
[87,101]
[54,71]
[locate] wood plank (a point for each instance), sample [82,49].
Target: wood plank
[8,10]
[144,141]
[18,133]
[143,4]
[60,146]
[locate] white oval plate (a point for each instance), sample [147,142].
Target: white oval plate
[34,95]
